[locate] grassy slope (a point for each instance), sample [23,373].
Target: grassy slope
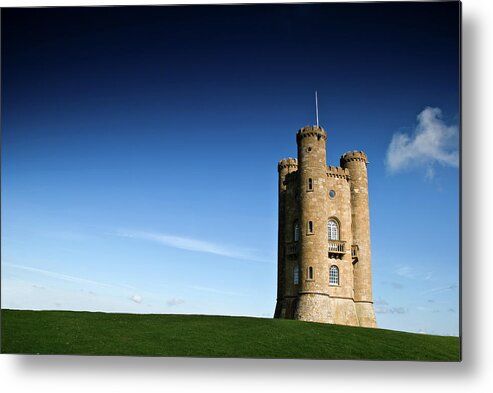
[68,332]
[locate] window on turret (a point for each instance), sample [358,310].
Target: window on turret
[310,273]
[296,231]
[333,230]
[334,275]
[296,274]
[310,228]
[310,184]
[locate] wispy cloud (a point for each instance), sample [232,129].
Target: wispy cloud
[413,273]
[427,309]
[174,302]
[216,291]
[64,277]
[442,289]
[381,302]
[186,243]
[390,310]
[393,284]
[432,142]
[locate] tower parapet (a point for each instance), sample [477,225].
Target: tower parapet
[291,163]
[337,171]
[353,156]
[311,131]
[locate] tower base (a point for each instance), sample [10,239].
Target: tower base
[343,312]
[285,308]
[366,314]
[313,307]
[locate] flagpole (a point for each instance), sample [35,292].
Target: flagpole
[316,105]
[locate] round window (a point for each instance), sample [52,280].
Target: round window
[332,194]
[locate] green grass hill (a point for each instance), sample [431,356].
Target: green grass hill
[95,333]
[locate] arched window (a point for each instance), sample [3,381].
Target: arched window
[333,230]
[296,274]
[296,231]
[310,273]
[334,275]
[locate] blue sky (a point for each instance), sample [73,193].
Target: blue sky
[140,149]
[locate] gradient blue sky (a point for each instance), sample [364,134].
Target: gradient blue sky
[140,149]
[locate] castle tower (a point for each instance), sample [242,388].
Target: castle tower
[313,294]
[324,257]
[356,162]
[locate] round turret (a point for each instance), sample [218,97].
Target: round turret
[311,131]
[356,162]
[287,163]
[313,302]
[353,156]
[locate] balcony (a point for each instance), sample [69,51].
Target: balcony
[292,248]
[337,248]
[355,253]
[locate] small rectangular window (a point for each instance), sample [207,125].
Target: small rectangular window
[310,184]
[310,273]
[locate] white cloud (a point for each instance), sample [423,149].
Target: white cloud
[136,298]
[185,243]
[175,302]
[390,310]
[432,142]
[381,302]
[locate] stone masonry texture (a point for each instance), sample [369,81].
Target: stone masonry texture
[310,195]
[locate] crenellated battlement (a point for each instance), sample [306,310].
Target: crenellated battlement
[311,131]
[287,163]
[337,171]
[354,156]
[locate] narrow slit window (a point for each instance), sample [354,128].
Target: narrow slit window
[310,226]
[310,184]
[310,273]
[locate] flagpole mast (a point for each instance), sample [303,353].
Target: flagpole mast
[316,105]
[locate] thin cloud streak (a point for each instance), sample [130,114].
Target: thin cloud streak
[216,291]
[440,289]
[65,277]
[189,244]
[412,273]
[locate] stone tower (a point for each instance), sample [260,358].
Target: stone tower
[324,258]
